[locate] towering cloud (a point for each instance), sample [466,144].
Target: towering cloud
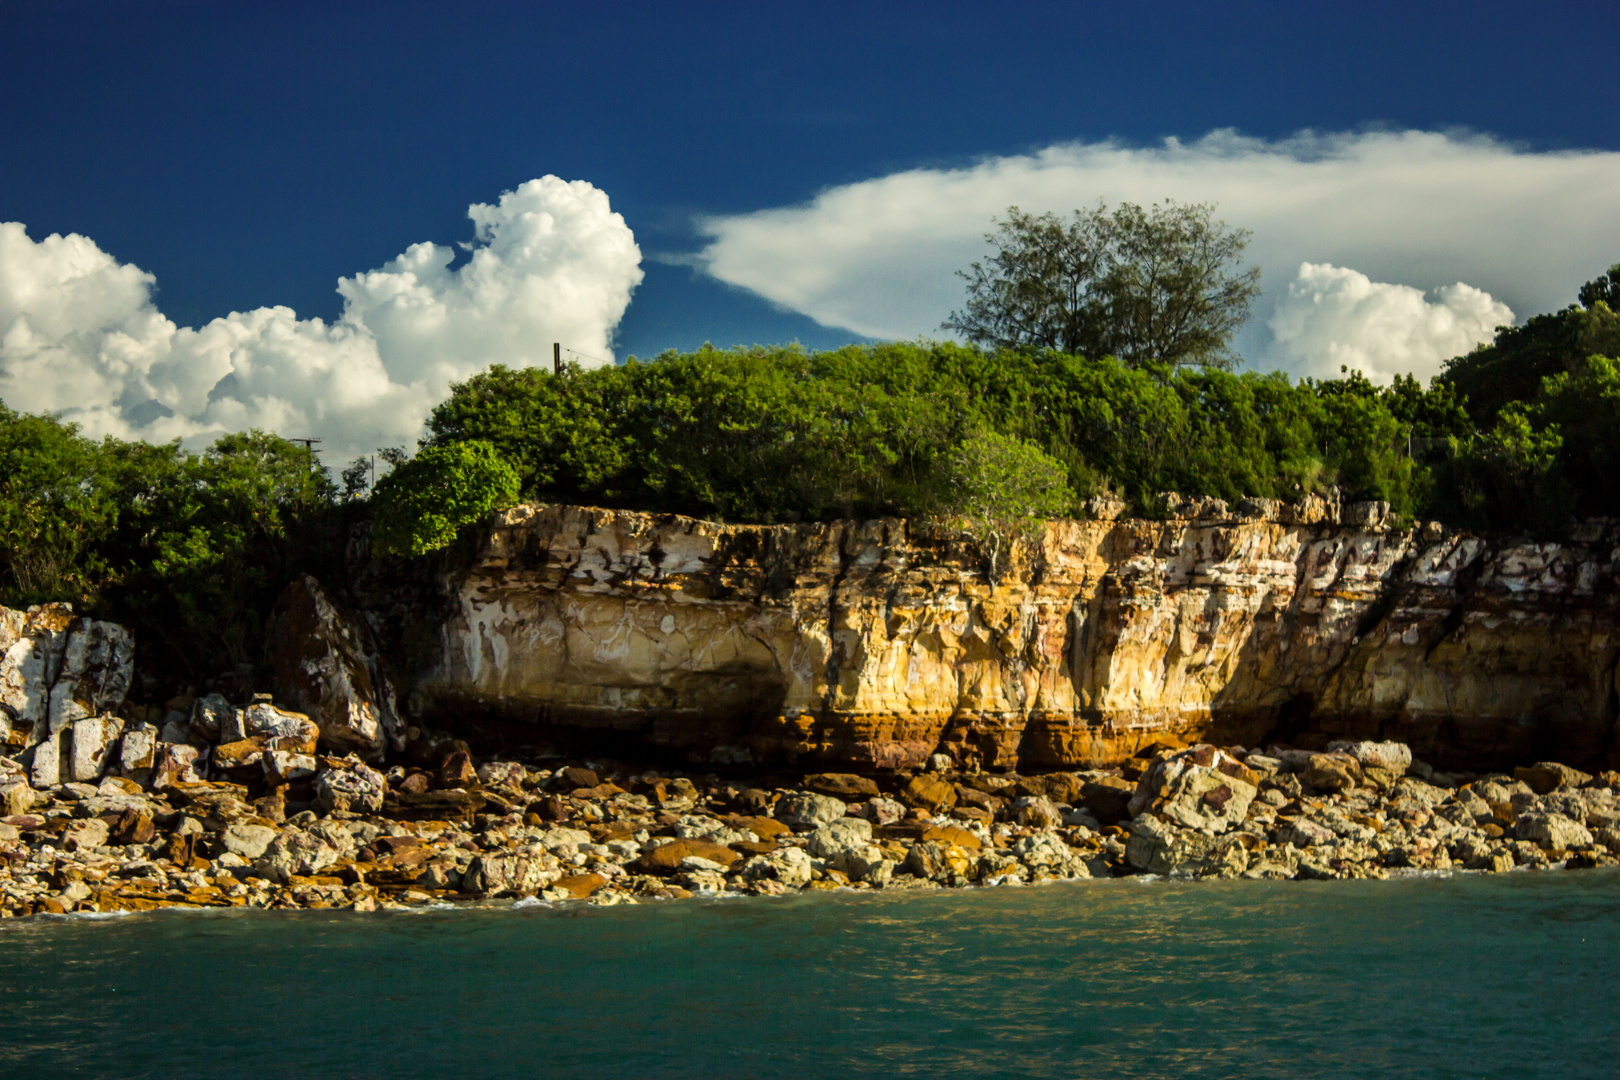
[80,336]
[1331,317]
[1417,209]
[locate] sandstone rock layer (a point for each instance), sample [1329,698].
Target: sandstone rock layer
[876,644]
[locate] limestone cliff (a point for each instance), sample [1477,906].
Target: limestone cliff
[878,643]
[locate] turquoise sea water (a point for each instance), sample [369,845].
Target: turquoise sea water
[1467,976]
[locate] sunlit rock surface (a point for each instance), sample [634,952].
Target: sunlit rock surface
[878,643]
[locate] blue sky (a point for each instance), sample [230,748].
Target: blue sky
[250,155]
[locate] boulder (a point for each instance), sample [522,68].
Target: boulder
[347,784]
[46,770]
[507,776]
[1552,830]
[933,861]
[458,771]
[846,786]
[507,875]
[1108,798]
[93,742]
[573,777]
[283,767]
[953,834]
[295,852]
[1044,848]
[1392,757]
[282,729]
[881,811]
[1305,833]
[16,796]
[1158,847]
[667,858]
[31,647]
[325,663]
[580,886]
[807,810]
[791,866]
[248,841]
[1200,787]
[137,753]
[178,763]
[1546,776]
[838,837]
[1038,812]
[96,665]
[85,834]
[929,792]
[209,715]
[1331,772]
[866,863]
[133,826]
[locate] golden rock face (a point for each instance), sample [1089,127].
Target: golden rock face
[876,644]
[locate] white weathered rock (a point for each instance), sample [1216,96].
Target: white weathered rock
[1196,628]
[1042,849]
[97,665]
[137,752]
[16,796]
[285,766]
[507,875]
[791,866]
[295,852]
[838,837]
[1552,830]
[1392,757]
[1201,787]
[559,837]
[287,730]
[1160,848]
[808,810]
[92,744]
[85,834]
[31,647]
[866,863]
[247,841]
[356,788]
[47,769]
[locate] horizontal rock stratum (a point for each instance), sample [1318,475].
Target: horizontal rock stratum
[875,644]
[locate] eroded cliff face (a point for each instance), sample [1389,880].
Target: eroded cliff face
[875,644]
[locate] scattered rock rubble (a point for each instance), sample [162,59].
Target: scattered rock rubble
[109,806]
[318,831]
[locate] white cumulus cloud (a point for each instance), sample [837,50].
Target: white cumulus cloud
[80,336]
[1419,209]
[1331,317]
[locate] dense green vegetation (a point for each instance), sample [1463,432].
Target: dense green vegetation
[190,549]
[187,549]
[787,435]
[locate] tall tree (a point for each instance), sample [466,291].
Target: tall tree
[1163,283]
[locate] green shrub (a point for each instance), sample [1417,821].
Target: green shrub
[423,504]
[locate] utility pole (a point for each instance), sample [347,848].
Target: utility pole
[556,358]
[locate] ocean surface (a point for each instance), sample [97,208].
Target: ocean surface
[1466,976]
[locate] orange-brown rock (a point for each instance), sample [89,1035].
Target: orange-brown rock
[579,886]
[873,645]
[666,858]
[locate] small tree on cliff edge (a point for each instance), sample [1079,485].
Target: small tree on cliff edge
[1160,284]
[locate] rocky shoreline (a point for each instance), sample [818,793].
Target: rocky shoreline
[442,827]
